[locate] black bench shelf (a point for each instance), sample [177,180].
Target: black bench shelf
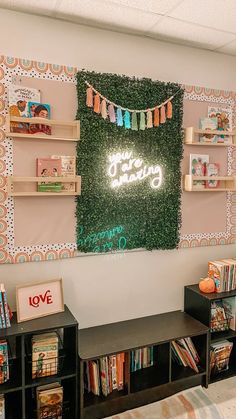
[149,384]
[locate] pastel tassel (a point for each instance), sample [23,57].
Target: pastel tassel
[119,117]
[156,117]
[111,113]
[96,107]
[127,120]
[89,97]
[134,121]
[142,121]
[163,115]
[104,109]
[149,119]
[169,110]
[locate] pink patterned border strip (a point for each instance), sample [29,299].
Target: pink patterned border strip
[10,67]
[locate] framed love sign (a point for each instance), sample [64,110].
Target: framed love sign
[39,299]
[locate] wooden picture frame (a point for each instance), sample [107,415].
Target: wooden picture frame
[39,299]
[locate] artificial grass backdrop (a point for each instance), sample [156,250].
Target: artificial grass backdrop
[133,215]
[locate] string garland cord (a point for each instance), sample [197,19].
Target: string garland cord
[133,110]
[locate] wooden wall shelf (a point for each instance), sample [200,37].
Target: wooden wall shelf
[190,133]
[11,180]
[227,183]
[74,127]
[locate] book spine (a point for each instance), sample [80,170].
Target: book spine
[5,305]
[2,312]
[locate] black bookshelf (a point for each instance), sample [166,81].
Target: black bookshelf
[198,305]
[20,389]
[147,385]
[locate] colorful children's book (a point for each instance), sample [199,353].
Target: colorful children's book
[49,167]
[197,167]
[50,401]
[224,121]
[19,97]
[68,168]
[230,310]
[4,365]
[208,124]
[45,349]
[39,110]
[2,407]
[212,169]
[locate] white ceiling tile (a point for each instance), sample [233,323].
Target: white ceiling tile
[218,14]
[106,14]
[154,6]
[182,32]
[30,6]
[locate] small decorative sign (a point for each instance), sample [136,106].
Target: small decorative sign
[39,299]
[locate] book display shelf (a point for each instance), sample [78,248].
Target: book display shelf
[226,183]
[149,384]
[20,390]
[198,305]
[72,130]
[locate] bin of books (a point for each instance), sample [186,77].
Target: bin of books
[220,318]
[220,357]
[45,355]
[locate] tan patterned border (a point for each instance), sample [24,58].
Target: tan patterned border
[9,254]
[229,236]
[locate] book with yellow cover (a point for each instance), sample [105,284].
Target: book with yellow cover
[44,355]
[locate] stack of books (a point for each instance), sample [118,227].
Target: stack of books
[219,356]
[185,354]
[2,407]
[50,401]
[141,358]
[55,166]
[105,375]
[4,364]
[45,350]
[4,309]
[223,272]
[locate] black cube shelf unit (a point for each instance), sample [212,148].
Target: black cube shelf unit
[144,386]
[198,305]
[20,389]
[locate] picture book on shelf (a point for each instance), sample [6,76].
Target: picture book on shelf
[68,168]
[19,97]
[219,321]
[224,274]
[212,169]
[39,110]
[208,124]
[219,356]
[2,407]
[4,365]
[197,167]
[50,401]
[230,310]
[46,167]
[45,349]
[224,121]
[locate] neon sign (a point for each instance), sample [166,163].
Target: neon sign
[124,168]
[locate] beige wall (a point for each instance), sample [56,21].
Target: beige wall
[101,289]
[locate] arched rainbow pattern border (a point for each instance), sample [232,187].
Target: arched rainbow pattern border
[229,235]
[10,67]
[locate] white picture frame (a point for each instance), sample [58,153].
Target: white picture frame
[39,299]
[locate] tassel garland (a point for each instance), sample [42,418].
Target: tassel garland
[104,109]
[111,112]
[89,98]
[163,115]
[156,117]
[142,121]
[97,104]
[119,117]
[149,119]
[169,110]
[134,121]
[128,118]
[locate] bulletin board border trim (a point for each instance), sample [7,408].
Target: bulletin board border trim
[224,97]
[10,67]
